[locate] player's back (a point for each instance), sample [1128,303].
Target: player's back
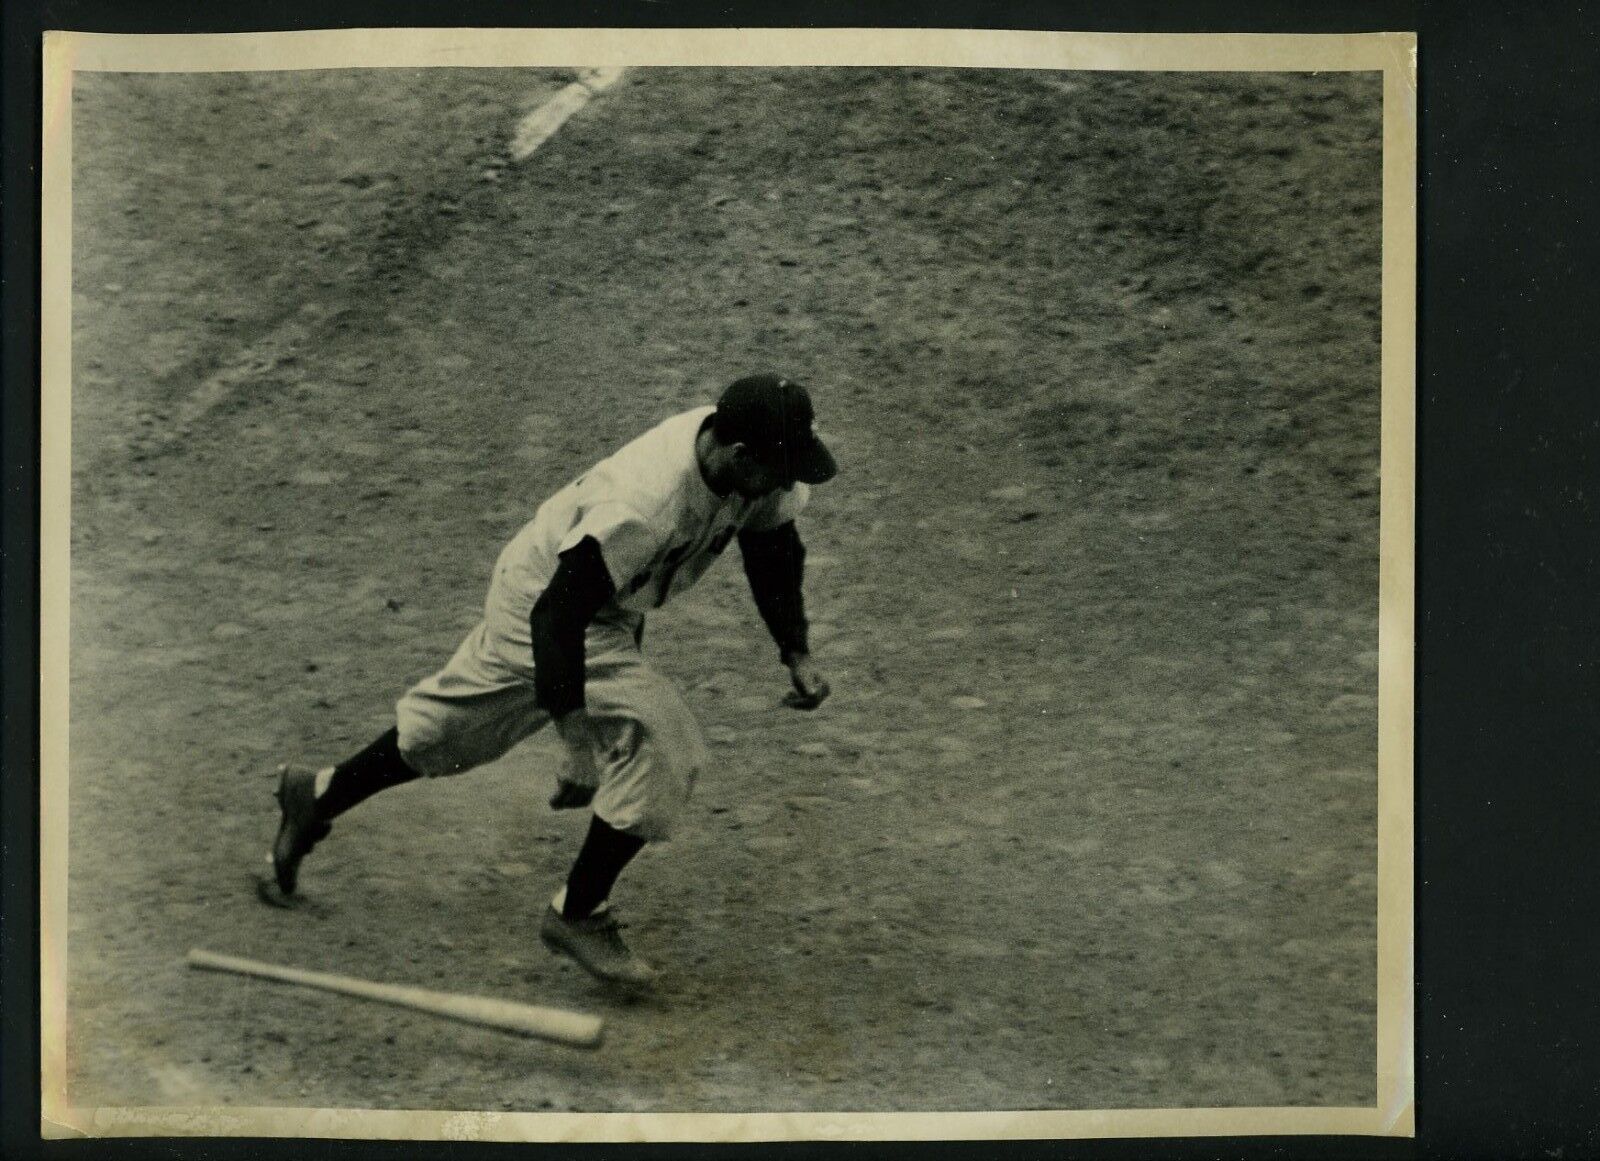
[647,483]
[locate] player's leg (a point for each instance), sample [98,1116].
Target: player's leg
[471,712]
[377,767]
[605,852]
[309,800]
[653,754]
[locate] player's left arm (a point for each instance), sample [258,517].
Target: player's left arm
[774,563]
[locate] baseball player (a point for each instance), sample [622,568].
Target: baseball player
[560,642]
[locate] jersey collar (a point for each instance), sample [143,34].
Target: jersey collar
[710,494]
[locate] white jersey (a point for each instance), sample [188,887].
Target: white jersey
[658,524]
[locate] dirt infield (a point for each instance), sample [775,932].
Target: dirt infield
[1090,821]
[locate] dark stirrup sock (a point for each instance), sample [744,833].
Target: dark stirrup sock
[362,775]
[606,850]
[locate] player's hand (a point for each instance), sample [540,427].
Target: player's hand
[570,796]
[576,784]
[810,688]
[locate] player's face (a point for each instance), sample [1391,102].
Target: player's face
[753,478]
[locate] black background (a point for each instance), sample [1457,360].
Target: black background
[1508,668]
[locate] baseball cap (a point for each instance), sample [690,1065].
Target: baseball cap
[772,416]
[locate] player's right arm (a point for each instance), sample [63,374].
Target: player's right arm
[580,588]
[608,545]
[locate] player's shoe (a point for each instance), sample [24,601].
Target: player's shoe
[596,944]
[301,828]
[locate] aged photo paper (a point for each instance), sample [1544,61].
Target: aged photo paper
[1076,800]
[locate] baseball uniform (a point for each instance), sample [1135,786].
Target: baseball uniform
[658,526]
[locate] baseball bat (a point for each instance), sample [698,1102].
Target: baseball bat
[571,1028]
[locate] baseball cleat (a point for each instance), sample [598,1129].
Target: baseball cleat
[596,944]
[300,829]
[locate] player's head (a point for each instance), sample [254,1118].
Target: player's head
[767,423]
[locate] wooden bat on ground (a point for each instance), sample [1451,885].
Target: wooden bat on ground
[572,1028]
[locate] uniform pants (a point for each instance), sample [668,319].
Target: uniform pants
[482,703]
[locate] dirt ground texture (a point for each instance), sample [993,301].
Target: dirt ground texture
[1090,820]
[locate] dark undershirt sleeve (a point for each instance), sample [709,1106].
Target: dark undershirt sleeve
[774,563]
[579,589]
